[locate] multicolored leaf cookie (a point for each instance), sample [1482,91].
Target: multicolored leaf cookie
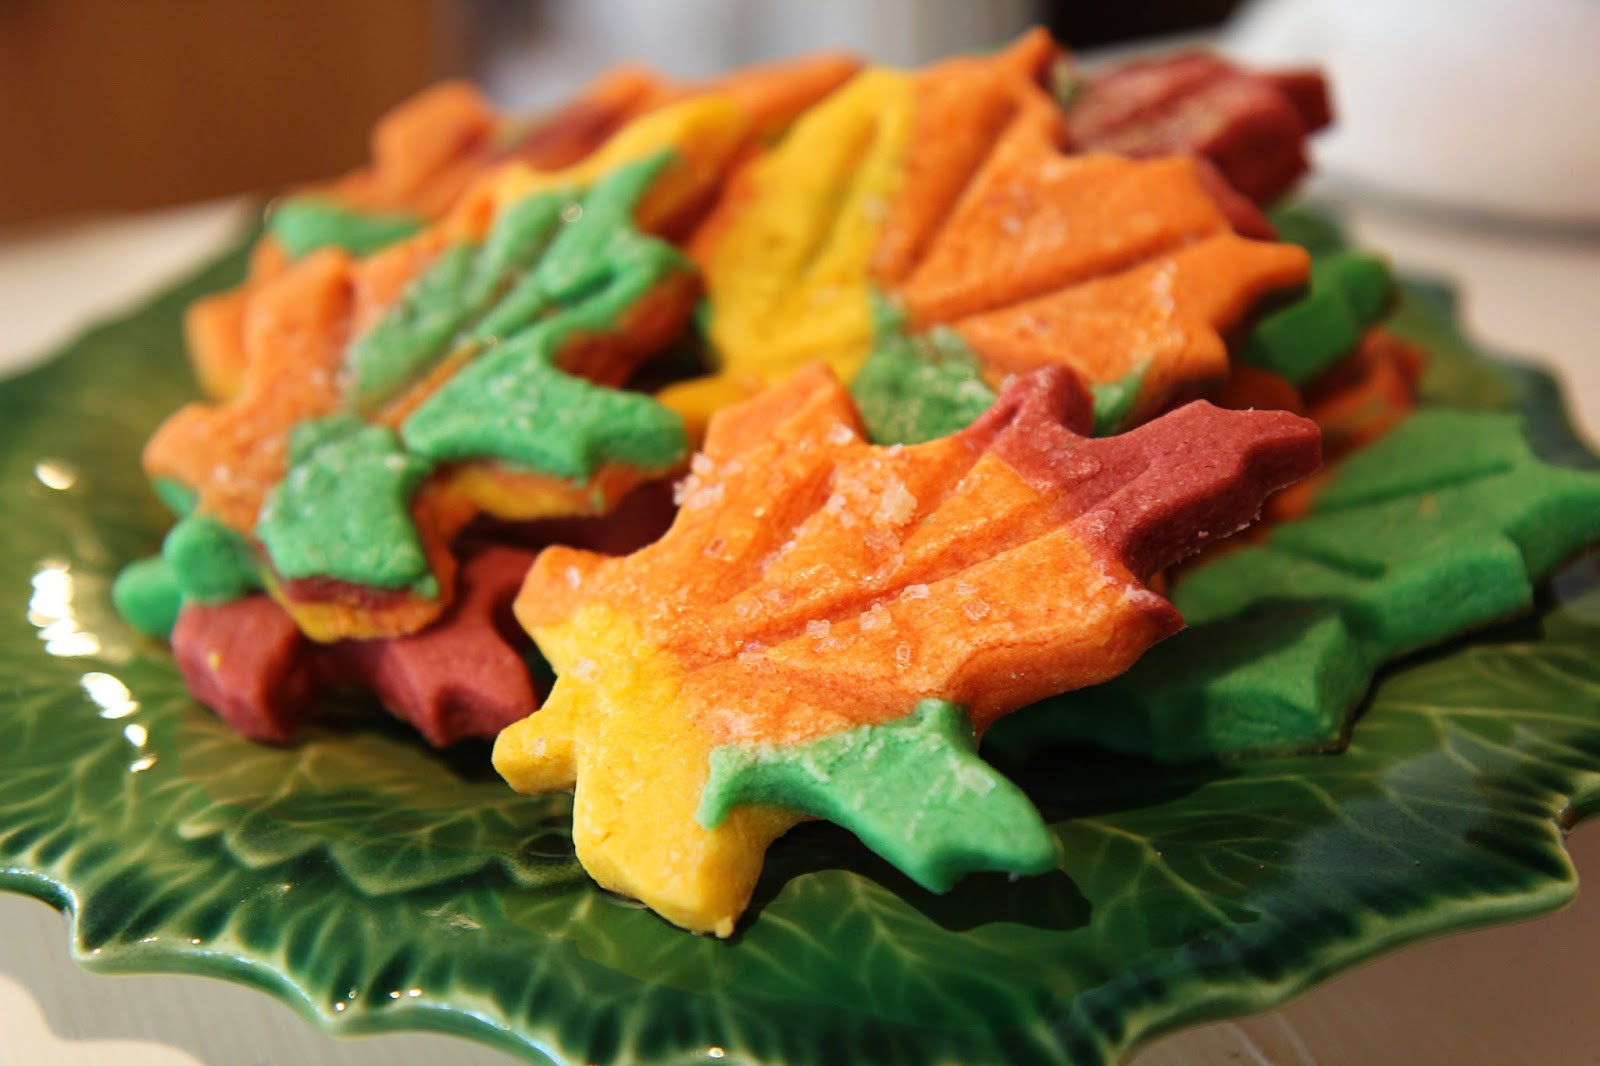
[424,153]
[949,194]
[826,617]
[463,370]
[429,150]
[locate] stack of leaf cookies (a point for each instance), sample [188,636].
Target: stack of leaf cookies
[809,422]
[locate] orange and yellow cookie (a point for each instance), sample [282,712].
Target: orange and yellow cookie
[949,197]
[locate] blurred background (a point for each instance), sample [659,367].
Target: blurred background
[107,105]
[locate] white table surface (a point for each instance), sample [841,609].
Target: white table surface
[1522,994]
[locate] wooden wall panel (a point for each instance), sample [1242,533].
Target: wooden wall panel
[123,104]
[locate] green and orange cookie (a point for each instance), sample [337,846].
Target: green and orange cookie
[470,369]
[430,150]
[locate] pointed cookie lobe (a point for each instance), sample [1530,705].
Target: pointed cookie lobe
[914,790]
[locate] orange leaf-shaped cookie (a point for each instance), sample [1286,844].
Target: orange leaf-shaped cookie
[816,593]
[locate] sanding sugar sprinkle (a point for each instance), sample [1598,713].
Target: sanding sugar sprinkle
[703,496]
[896,505]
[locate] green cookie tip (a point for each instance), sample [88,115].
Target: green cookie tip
[210,562]
[303,224]
[146,594]
[913,790]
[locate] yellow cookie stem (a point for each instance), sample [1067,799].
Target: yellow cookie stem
[639,775]
[703,132]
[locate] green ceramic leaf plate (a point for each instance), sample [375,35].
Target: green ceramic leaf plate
[377,885]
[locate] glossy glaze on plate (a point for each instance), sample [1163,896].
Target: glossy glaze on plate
[378,885]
